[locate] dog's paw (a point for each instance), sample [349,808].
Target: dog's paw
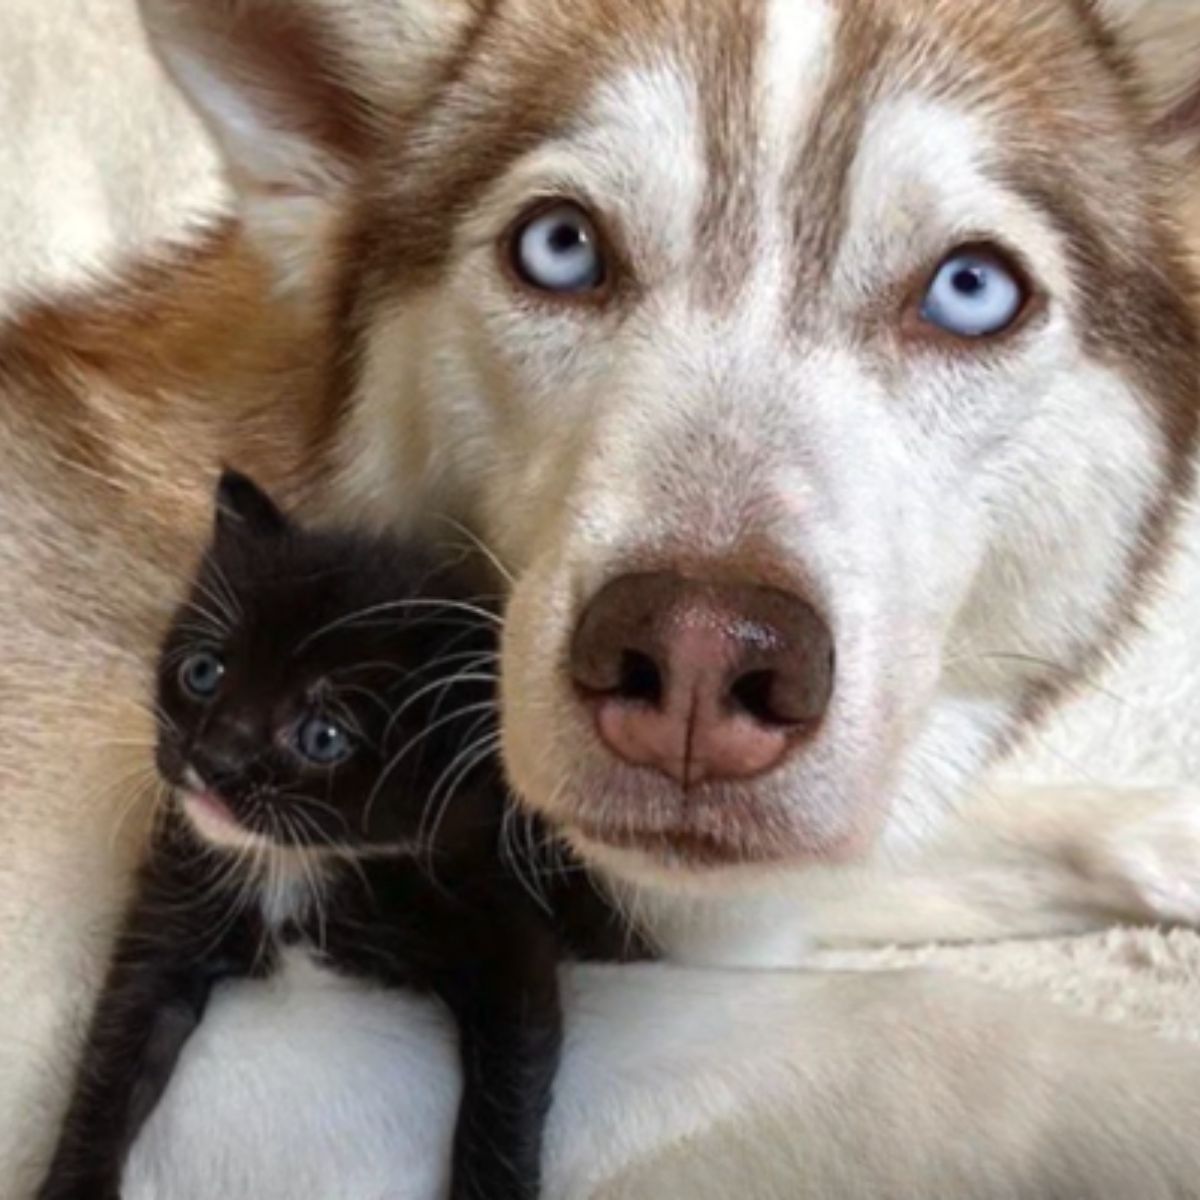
[1152,863]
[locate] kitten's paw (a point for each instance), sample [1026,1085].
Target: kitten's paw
[1153,862]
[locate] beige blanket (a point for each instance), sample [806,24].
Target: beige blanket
[97,157]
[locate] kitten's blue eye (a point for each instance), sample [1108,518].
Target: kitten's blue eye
[201,675]
[323,742]
[559,250]
[974,295]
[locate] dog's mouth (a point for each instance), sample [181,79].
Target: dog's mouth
[676,849]
[636,818]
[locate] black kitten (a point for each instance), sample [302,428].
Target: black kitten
[327,726]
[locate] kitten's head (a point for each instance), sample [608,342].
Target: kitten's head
[324,689]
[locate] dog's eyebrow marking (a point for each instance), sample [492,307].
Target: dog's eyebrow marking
[761,67]
[820,180]
[1184,119]
[727,232]
[1134,315]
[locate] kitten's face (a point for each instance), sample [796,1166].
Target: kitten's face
[325,692]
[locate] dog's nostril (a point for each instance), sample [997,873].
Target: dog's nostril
[641,680]
[753,694]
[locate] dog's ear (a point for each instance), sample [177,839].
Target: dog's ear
[244,510]
[297,92]
[1160,39]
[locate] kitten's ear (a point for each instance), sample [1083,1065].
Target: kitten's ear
[1161,41]
[300,94]
[245,510]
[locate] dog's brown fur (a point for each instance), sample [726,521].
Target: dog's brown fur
[115,410]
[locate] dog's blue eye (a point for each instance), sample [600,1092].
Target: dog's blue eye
[559,251]
[201,675]
[974,295]
[323,742]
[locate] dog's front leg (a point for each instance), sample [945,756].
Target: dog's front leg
[1025,862]
[1020,862]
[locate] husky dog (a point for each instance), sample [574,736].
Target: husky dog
[824,376]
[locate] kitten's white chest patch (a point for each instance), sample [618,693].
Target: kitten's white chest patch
[287,896]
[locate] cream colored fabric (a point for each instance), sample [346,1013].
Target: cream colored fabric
[98,157]
[1144,978]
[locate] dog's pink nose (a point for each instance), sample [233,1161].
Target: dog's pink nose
[702,681]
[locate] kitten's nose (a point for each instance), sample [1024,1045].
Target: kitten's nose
[228,747]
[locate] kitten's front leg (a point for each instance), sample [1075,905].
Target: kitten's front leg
[153,999]
[141,1023]
[510,1038]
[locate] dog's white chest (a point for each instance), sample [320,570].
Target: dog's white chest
[305,1085]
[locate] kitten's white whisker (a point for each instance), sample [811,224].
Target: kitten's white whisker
[475,540]
[466,761]
[230,592]
[404,606]
[302,798]
[211,623]
[470,660]
[228,614]
[442,685]
[342,711]
[296,821]
[411,744]
[138,795]
[531,882]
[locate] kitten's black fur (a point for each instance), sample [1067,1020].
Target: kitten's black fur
[369,657]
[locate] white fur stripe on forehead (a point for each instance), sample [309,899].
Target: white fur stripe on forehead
[798,53]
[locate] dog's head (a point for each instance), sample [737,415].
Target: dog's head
[824,370]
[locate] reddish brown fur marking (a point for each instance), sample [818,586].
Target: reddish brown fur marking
[1139,317]
[819,183]
[1183,121]
[728,89]
[185,363]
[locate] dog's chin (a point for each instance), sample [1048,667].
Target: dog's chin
[638,826]
[675,849]
[680,858]
[672,865]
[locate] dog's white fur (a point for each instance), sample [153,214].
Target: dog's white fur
[680,1083]
[351,1091]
